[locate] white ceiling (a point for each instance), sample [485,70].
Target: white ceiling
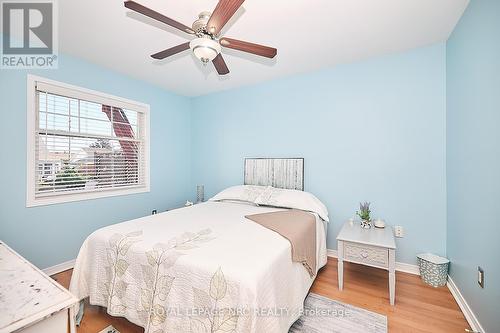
[309,34]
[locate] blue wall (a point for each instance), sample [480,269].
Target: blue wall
[372,131]
[53,234]
[473,157]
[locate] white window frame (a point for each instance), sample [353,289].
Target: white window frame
[32,168]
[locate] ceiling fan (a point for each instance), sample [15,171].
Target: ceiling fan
[207,44]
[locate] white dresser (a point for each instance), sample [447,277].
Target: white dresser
[30,301]
[372,247]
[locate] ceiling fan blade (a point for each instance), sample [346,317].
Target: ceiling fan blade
[132,5]
[224,10]
[220,65]
[261,50]
[171,51]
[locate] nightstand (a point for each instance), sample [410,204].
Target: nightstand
[371,247]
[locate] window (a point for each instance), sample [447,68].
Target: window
[84,144]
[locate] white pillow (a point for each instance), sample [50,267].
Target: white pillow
[292,199]
[245,193]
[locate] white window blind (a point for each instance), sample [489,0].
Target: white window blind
[87,143]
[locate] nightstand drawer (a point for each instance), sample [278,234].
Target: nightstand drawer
[366,254]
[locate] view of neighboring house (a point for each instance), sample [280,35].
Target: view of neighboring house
[84,145]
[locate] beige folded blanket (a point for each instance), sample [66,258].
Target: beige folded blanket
[299,228]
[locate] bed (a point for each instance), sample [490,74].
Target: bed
[204,268]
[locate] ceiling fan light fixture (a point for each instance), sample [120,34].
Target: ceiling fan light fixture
[205,48]
[207,28]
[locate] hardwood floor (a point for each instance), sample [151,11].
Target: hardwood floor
[419,308]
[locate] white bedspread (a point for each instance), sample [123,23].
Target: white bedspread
[199,269]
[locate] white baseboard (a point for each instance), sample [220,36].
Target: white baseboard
[59,267]
[466,310]
[400,266]
[332,253]
[407,268]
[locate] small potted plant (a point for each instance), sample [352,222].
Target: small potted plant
[364,214]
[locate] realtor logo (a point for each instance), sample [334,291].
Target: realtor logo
[29,34]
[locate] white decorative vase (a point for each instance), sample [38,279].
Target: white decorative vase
[366,224]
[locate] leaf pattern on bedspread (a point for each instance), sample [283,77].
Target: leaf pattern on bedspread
[217,319]
[157,282]
[114,288]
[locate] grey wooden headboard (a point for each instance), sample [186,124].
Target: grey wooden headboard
[285,173]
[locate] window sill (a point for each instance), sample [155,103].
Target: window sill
[64,198]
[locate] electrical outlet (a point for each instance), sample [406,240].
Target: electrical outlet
[154,212]
[398,231]
[480,277]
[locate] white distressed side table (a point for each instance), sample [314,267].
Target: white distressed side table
[30,301]
[371,247]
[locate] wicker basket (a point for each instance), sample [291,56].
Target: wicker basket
[433,269]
